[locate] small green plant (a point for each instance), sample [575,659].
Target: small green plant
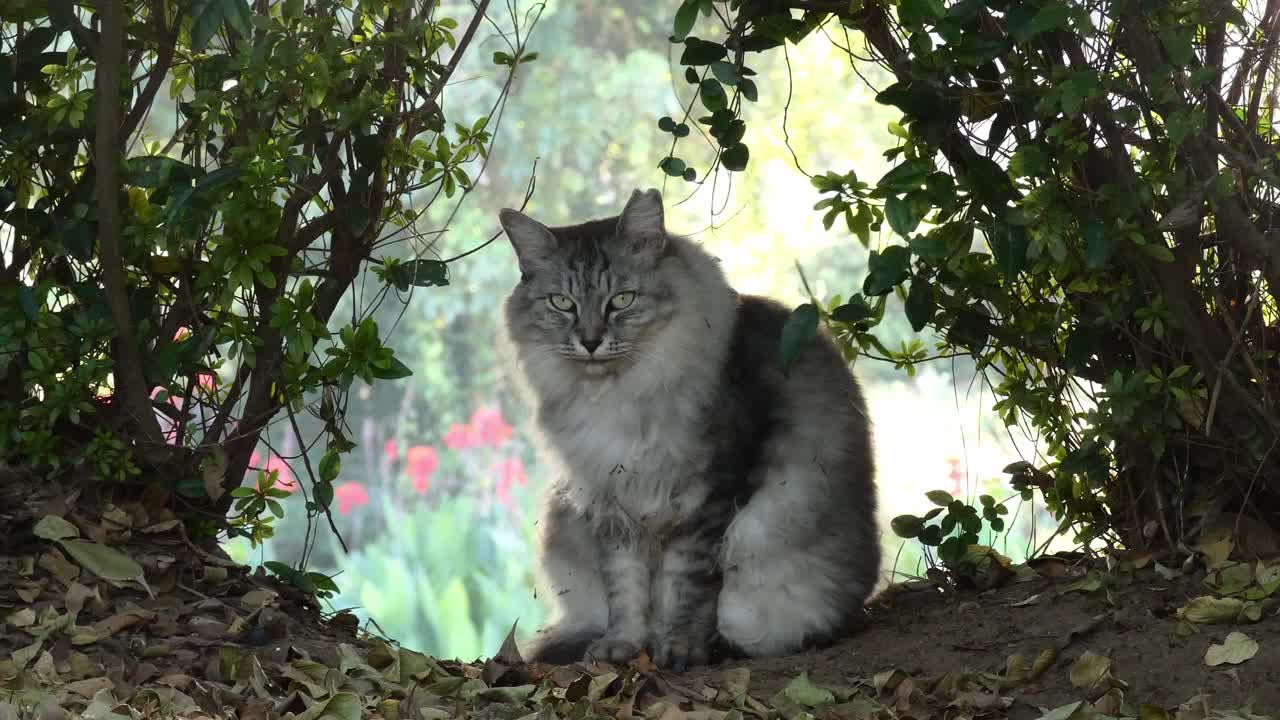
[250,518]
[952,527]
[314,583]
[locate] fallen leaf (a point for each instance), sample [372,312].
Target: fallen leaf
[1209,610]
[104,561]
[1237,648]
[1043,662]
[25,617]
[802,691]
[1152,712]
[1016,668]
[1089,583]
[1216,547]
[1027,602]
[52,528]
[1091,672]
[1064,712]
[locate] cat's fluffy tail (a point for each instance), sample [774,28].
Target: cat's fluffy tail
[561,644]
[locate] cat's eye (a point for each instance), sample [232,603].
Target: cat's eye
[622,300]
[563,303]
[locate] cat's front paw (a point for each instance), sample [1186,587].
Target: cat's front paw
[613,649]
[679,653]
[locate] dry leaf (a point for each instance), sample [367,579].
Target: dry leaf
[52,528]
[1091,672]
[1237,648]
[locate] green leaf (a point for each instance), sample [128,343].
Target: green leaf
[686,15]
[735,157]
[330,466]
[906,526]
[854,311]
[701,52]
[941,498]
[672,166]
[1050,17]
[712,94]
[725,72]
[324,494]
[886,270]
[904,213]
[666,124]
[909,175]
[1009,245]
[747,87]
[155,171]
[1097,248]
[423,273]
[800,329]
[395,371]
[920,305]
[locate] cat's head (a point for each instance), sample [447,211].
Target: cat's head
[591,294]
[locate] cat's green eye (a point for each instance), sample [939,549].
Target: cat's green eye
[563,303]
[622,300]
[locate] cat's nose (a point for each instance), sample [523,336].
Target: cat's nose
[590,344]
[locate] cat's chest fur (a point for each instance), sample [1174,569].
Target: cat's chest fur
[634,464]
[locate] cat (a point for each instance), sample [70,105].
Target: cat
[702,497]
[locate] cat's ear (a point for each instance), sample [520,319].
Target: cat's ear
[640,227]
[533,242]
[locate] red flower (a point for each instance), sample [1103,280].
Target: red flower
[391,450]
[489,427]
[460,437]
[350,495]
[423,461]
[509,472]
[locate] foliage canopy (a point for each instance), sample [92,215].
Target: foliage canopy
[188,191]
[1086,200]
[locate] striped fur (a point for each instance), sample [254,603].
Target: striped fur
[700,493]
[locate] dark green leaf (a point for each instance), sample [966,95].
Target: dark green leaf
[330,466]
[920,305]
[680,130]
[1050,17]
[908,175]
[906,526]
[748,89]
[701,52]
[422,273]
[725,72]
[1097,247]
[941,498]
[666,124]
[323,494]
[712,94]
[395,371]
[854,311]
[886,270]
[155,171]
[672,166]
[1009,247]
[800,329]
[903,213]
[686,15]
[735,157]
[971,329]
[690,174]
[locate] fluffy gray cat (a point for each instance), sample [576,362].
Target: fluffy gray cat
[701,496]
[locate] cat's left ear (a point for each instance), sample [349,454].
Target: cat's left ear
[534,244]
[640,227]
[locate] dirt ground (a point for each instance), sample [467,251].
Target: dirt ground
[1063,639]
[929,633]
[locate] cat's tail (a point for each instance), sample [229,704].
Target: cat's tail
[561,644]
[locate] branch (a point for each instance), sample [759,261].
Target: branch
[131,386]
[458,52]
[159,71]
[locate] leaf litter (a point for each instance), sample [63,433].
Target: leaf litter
[84,635]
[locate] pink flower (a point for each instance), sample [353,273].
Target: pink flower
[391,450]
[182,334]
[350,495]
[460,437]
[489,427]
[255,459]
[509,471]
[207,380]
[423,461]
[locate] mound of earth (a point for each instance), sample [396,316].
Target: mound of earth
[114,614]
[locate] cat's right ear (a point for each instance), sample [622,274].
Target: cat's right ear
[533,242]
